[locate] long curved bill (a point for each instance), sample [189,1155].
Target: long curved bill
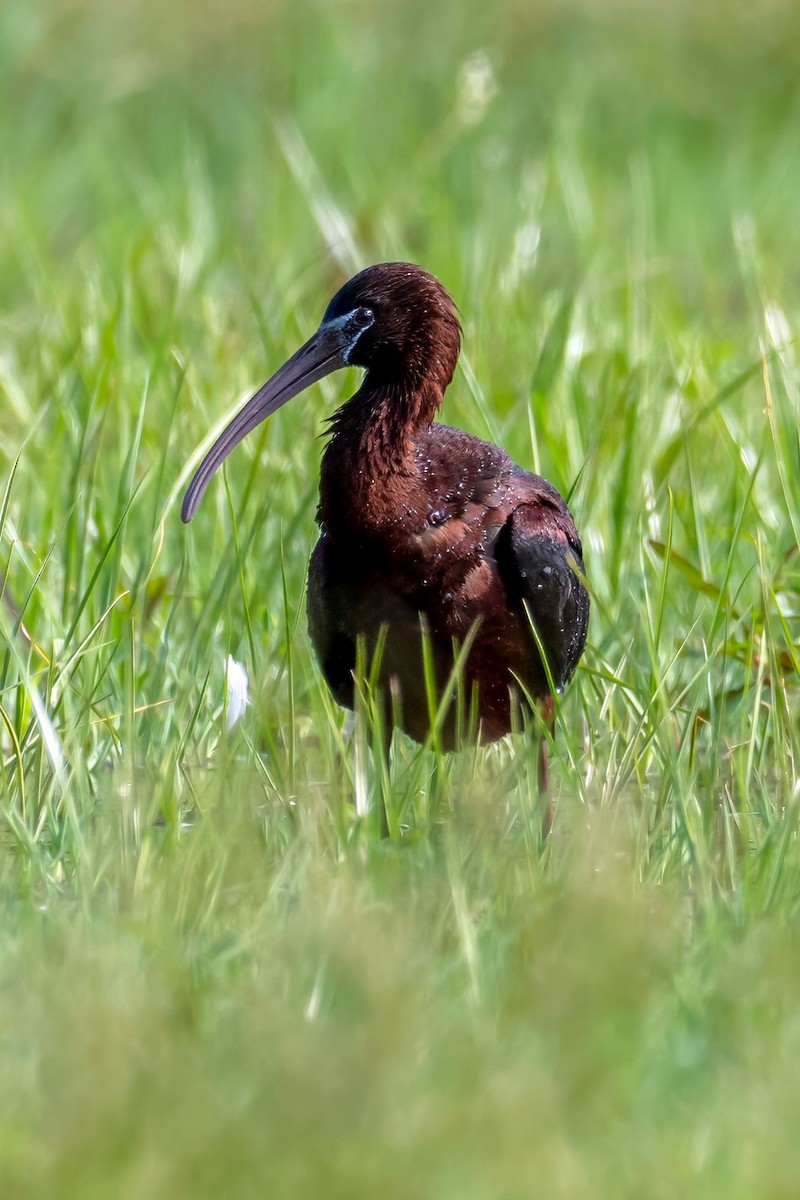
[322,354]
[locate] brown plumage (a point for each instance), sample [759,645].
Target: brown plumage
[423,525]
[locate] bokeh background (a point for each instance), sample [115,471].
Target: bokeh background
[214,979]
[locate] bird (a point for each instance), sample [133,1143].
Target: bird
[434,546]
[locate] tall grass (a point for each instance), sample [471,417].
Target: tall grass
[215,977]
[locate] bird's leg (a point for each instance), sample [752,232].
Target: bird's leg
[382,743]
[374,714]
[547,713]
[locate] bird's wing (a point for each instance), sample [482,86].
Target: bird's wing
[539,555]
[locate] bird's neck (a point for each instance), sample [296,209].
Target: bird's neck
[369,462]
[379,424]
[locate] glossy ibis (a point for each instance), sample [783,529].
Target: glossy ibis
[424,527]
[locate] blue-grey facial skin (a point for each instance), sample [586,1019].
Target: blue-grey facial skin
[350,327]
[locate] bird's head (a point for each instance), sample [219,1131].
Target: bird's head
[393,319]
[398,322]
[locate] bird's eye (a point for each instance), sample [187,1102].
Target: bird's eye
[363,317]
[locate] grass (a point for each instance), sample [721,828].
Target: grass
[214,977]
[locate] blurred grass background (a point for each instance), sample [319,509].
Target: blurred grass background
[214,979]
